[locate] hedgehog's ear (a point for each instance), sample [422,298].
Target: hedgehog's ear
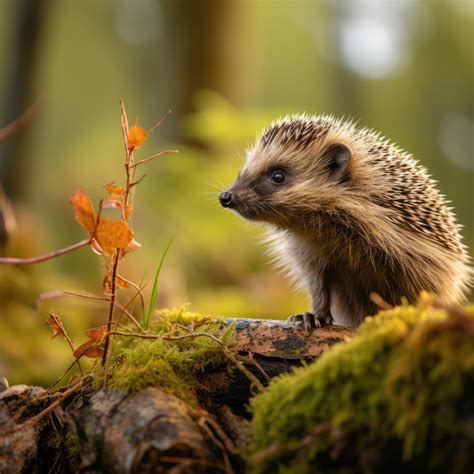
[336,159]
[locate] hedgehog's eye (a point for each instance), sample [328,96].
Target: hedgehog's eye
[278,177]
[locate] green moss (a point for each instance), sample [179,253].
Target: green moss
[72,447]
[171,365]
[395,396]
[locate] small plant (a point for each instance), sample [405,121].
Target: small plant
[111,239]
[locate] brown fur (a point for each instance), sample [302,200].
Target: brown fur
[383,227]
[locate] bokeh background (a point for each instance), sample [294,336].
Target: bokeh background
[225,69]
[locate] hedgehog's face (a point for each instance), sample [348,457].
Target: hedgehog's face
[283,185]
[254,196]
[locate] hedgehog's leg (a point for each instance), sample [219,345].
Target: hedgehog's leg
[321,315]
[320,296]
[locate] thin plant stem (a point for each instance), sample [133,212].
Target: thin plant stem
[128,158]
[162,119]
[154,156]
[139,292]
[53,405]
[43,258]
[124,311]
[66,337]
[60,293]
[22,120]
[105,355]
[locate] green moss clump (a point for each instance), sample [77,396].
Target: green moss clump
[171,365]
[72,447]
[396,397]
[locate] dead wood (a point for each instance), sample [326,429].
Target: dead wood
[268,348]
[148,431]
[153,431]
[25,447]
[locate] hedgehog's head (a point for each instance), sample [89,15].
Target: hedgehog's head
[297,166]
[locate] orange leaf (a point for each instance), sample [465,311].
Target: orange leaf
[85,214]
[107,283]
[136,136]
[128,211]
[97,334]
[113,235]
[55,324]
[88,349]
[112,188]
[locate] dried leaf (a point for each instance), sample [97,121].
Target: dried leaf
[97,249]
[112,203]
[55,324]
[97,334]
[88,349]
[120,282]
[128,211]
[113,235]
[107,283]
[136,136]
[112,188]
[133,245]
[85,214]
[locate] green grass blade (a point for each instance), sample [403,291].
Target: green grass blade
[154,290]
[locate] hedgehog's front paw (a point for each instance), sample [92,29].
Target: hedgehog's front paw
[323,319]
[304,320]
[310,321]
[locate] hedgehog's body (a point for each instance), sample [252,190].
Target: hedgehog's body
[350,214]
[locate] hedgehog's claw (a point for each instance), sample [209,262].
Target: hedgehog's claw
[309,321]
[305,320]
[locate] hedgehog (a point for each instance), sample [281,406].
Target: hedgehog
[349,215]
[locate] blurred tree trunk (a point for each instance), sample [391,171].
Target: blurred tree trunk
[25,44]
[204,48]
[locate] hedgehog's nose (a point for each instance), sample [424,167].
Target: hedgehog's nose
[225,198]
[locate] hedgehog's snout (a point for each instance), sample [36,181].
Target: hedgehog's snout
[226,199]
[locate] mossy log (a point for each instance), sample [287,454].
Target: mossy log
[397,397]
[275,347]
[149,430]
[394,397]
[282,340]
